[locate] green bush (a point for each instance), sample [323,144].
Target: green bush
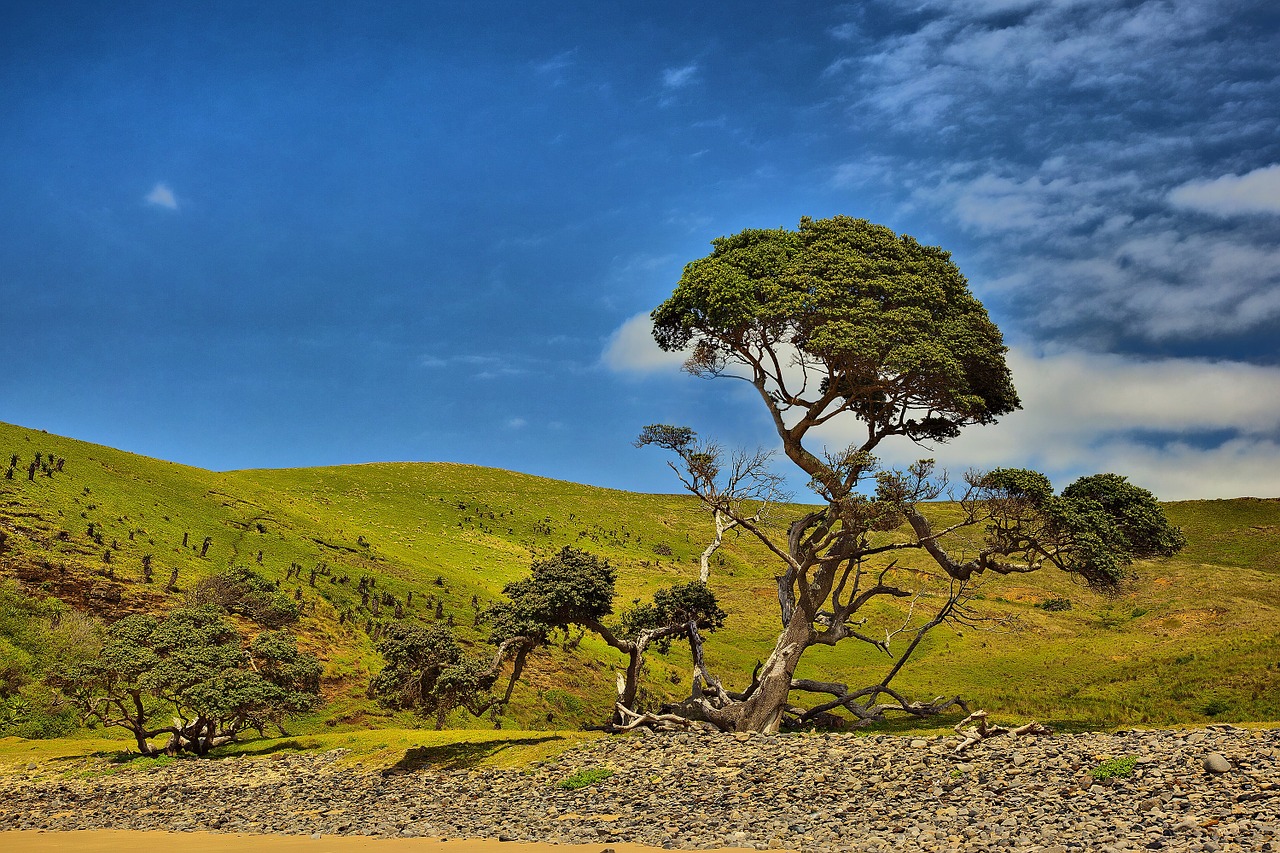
[584,778]
[38,636]
[244,592]
[1115,768]
[564,701]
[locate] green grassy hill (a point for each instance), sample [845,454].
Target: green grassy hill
[1198,637]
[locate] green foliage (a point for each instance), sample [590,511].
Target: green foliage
[1056,605]
[674,606]
[571,588]
[585,778]
[191,665]
[246,593]
[563,701]
[38,636]
[1096,528]
[1115,768]
[428,673]
[1134,513]
[893,321]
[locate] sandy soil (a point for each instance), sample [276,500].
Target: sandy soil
[124,841]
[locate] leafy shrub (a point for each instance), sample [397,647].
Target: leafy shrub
[1055,605]
[245,593]
[584,778]
[39,636]
[562,700]
[1115,768]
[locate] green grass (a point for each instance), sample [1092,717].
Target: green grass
[390,750]
[1196,639]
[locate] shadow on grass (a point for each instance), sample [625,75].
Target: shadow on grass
[904,726]
[111,756]
[457,756]
[249,748]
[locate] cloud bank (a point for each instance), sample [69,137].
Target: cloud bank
[1182,427]
[1077,145]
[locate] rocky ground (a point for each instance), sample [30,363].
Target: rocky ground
[1212,789]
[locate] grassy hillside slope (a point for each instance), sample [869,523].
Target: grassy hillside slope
[1198,637]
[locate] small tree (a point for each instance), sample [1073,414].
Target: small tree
[845,322]
[242,591]
[193,668]
[576,589]
[427,672]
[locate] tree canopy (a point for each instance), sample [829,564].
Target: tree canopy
[191,675]
[844,316]
[845,321]
[428,672]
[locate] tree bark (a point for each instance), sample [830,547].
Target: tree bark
[762,710]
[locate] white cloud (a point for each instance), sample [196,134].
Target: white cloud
[516,423]
[1078,252]
[162,196]
[678,78]
[632,349]
[1255,192]
[1184,428]
[1161,285]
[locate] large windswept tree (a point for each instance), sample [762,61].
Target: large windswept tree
[843,322]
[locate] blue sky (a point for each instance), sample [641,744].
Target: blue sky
[279,234]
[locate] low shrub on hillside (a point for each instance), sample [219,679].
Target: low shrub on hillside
[245,593]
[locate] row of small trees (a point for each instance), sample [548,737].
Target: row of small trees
[428,671]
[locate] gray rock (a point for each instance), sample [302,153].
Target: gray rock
[1215,762]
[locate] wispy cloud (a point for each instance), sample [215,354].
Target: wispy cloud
[1254,192]
[1075,246]
[555,68]
[678,78]
[162,196]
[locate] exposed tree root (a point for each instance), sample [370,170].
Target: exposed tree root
[868,711]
